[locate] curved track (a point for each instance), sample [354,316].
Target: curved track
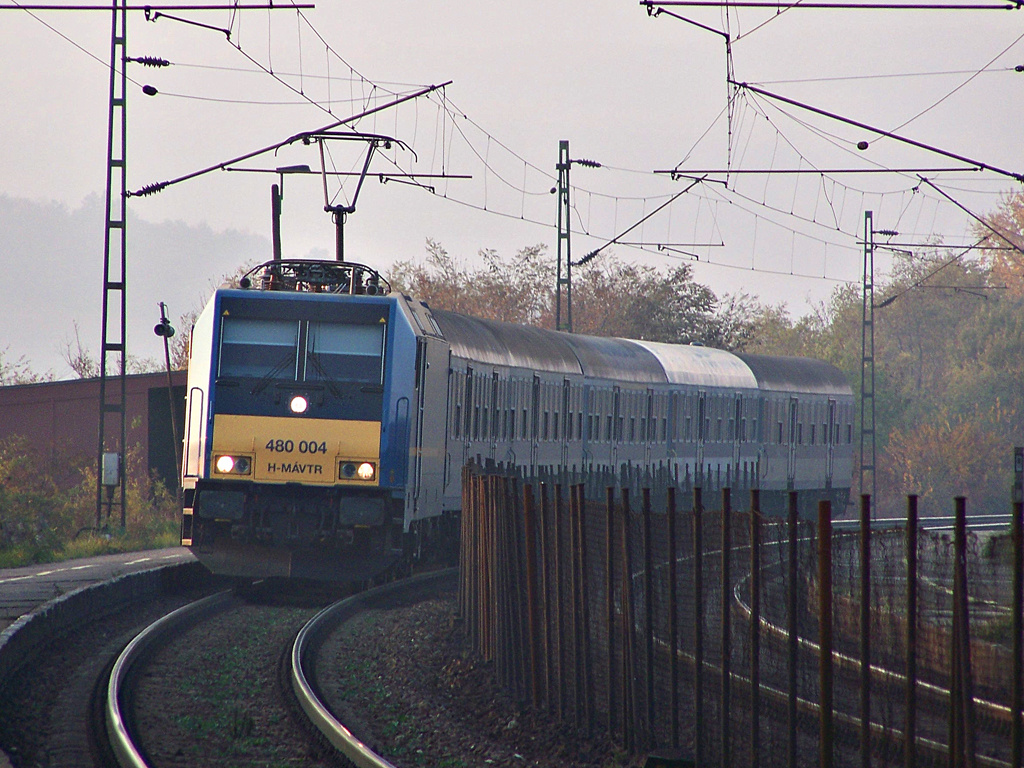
[124,742]
[311,636]
[119,731]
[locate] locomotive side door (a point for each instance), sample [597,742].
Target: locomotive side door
[431,440]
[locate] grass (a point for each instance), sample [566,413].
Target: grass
[90,544]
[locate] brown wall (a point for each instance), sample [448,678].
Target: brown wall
[62,417]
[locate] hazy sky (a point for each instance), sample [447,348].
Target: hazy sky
[633,92]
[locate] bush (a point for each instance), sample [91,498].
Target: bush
[48,508]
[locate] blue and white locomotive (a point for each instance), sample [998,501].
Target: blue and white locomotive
[328,419]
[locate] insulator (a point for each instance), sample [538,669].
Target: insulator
[151,189]
[588,163]
[150,61]
[886,232]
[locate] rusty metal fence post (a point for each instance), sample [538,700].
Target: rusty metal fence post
[609,592]
[726,639]
[698,625]
[628,625]
[673,616]
[545,590]
[1017,529]
[962,630]
[533,607]
[910,727]
[584,581]
[755,628]
[792,639]
[865,630]
[825,694]
[648,616]
[559,610]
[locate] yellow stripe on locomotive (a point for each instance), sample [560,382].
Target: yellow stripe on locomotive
[269,449]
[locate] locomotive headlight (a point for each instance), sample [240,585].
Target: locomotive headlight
[351,470]
[298,404]
[232,465]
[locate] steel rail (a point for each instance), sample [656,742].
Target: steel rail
[311,635]
[127,752]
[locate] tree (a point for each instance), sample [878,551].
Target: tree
[81,361]
[610,297]
[1003,232]
[516,291]
[18,371]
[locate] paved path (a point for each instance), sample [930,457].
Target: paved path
[22,590]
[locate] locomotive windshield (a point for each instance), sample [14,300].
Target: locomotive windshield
[253,348]
[270,349]
[338,352]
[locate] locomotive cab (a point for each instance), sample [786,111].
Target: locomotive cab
[294,462]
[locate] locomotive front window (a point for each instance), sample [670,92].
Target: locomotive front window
[339,352]
[254,348]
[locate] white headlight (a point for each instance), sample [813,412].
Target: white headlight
[366,471]
[225,464]
[299,404]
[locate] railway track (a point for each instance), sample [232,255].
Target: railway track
[129,742]
[121,733]
[310,638]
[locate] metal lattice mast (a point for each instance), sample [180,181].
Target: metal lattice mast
[564,274]
[113,427]
[867,368]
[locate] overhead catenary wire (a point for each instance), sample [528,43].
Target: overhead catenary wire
[629,229]
[523,187]
[883,132]
[159,186]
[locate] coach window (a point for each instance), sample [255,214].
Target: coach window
[256,349]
